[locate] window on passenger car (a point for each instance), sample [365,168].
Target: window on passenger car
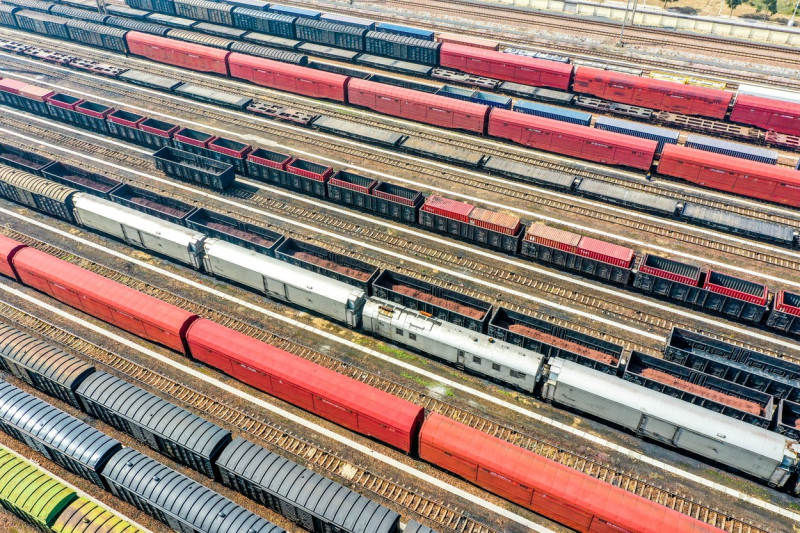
[398,331]
[517,375]
[412,337]
[476,359]
[495,366]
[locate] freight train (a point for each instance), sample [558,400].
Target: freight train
[748,178]
[518,351]
[315,503]
[530,480]
[688,284]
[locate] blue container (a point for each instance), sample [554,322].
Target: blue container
[456,93]
[742,151]
[294,11]
[492,100]
[408,31]
[555,113]
[635,129]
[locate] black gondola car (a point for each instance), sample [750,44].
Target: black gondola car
[194,168]
[235,231]
[23,160]
[83,180]
[151,203]
[330,264]
[125,125]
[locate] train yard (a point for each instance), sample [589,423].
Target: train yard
[358,290]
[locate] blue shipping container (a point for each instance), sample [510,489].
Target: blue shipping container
[645,131]
[742,151]
[295,11]
[408,31]
[456,93]
[492,100]
[552,112]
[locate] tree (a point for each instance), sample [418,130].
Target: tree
[667,2]
[733,4]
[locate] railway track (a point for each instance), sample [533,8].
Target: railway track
[488,272]
[696,196]
[550,21]
[329,460]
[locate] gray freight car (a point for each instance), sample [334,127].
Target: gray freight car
[24,160]
[394,65]
[42,23]
[540,94]
[92,116]
[285,282]
[551,340]
[357,131]
[141,230]
[213,96]
[83,180]
[193,141]
[402,82]
[447,152]
[330,33]
[151,203]
[81,14]
[97,35]
[125,125]
[732,296]
[402,47]
[666,277]
[785,314]
[415,527]
[136,25]
[757,228]
[235,231]
[622,195]
[40,194]
[330,52]
[176,500]
[710,392]
[734,149]
[160,83]
[267,166]
[194,168]
[260,21]
[438,302]
[217,12]
[165,427]
[330,264]
[352,189]
[397,202]
[637,129]
[529,173]
[476,352]
[315,503]
[62,107]
[270,41]
[62,438]
[647,413]
[199,38]
[41,364]
[161,6]
[171,21]
[225,32]
[156,133]
[270,53]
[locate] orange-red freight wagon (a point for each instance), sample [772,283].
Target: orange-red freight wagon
[322,391]
[572,139]
[179,53]
[766,113]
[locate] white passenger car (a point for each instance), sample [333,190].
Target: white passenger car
[748,448]
[285,282]
[484,355]
[140,229]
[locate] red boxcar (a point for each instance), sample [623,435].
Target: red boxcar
[178,53]
[338,398]
[287,77]
[418,106]
[606,252]
[508,67]
[112,302]
[571,139]
[569,497]
[774,115]
[726,173]
[651,93]
[9,248]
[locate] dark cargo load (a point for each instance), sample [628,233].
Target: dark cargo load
[622,195]
[333,265]
[789,420]
[555,341]
[529,173]
[395,65]
[540,94]
[153,204]
[555,113]
[23,160]
[225,32]
[194,168]
[83,180]
[330,33]
[757,228]
[636,129]
[270,53]
[338,69]
[750,376]
[452,76]
[438,302]
[447,152]
[331,52]
[125,125]
[713,393]
[357,131]
[235,231]
[264,22]
[402,47]
[400,82]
